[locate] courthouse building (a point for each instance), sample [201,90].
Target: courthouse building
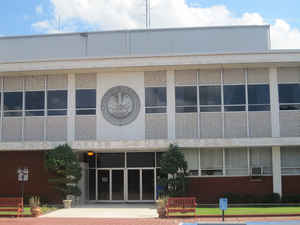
[220,93]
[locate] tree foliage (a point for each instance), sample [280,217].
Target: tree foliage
[63,163]
[173,171]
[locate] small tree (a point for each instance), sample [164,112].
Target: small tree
[63,163]
[173,171]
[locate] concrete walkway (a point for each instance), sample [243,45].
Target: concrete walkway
[106,211]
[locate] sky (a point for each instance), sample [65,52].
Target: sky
[29,17]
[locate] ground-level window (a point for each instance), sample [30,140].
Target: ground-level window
[290,160]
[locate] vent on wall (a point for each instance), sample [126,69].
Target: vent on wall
[256,171]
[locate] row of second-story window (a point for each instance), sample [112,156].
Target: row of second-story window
[234,98]
[51,103]
[209,98]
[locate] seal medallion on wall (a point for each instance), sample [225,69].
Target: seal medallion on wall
[120,105]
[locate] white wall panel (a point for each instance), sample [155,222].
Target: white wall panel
[210,125]
[35,83]
[12,129]
[234,76]
[210,77]
[235,124]
[155,78]
[57,82]
[156,126]
[288,74]
[260,124]
[86,81]
[136,129]
[258,76]
[13,83]
[186,77]
[56,128]
[34,129]
[289,123]
[85,128]
[186,125]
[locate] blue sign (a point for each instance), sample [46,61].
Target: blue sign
[223,203]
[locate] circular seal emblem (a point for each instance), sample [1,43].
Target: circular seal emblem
[120,105]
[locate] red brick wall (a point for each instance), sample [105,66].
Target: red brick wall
[208,190]
[38,176]
[291,185]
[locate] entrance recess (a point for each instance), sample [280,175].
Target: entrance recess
[122,177]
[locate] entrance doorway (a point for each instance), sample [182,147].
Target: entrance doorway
[140,185]
[122,177]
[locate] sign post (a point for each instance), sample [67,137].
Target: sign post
[223,204]
[22,177]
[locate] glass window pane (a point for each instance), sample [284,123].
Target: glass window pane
[137,159]
[186,109]
[186,96]
[210,95]
[289,93]
[210,109]
[13,101]
[156,96]
[57,99]
[86,99]
[259,108]
[289,107]
[57,112]
[110,160]
[234,94]
[13,113]
[86,112]
[156,110]
[258,94]
[34,100]
[234,108]
[34,113]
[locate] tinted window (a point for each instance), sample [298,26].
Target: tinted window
[13,101]
[210,95]
[234,95]
[186,96]
[86,99]
[156,96]
[57,99]
[289,93]
[258,94]
[34,100]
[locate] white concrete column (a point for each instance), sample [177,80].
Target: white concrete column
[171,104]
[275,125]
[82,183]
[276,164]
[71,107]
[274,102]
[98,107]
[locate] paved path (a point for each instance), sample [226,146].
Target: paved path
[153,221]
[106,211]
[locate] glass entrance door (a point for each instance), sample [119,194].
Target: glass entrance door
[110,185]
[141,185]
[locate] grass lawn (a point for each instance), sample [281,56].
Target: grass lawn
[244,211]
[45,209]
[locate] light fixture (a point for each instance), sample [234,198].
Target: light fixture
[90,153]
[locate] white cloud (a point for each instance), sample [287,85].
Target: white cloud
[120,14]
[39,9]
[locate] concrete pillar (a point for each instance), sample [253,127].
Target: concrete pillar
[71,108]
[276,163]
[82,183]
[275,125]
[171,104]
[274,102]
[98,106]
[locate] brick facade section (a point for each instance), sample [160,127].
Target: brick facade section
[209,189]
[38,176]
[291,185]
